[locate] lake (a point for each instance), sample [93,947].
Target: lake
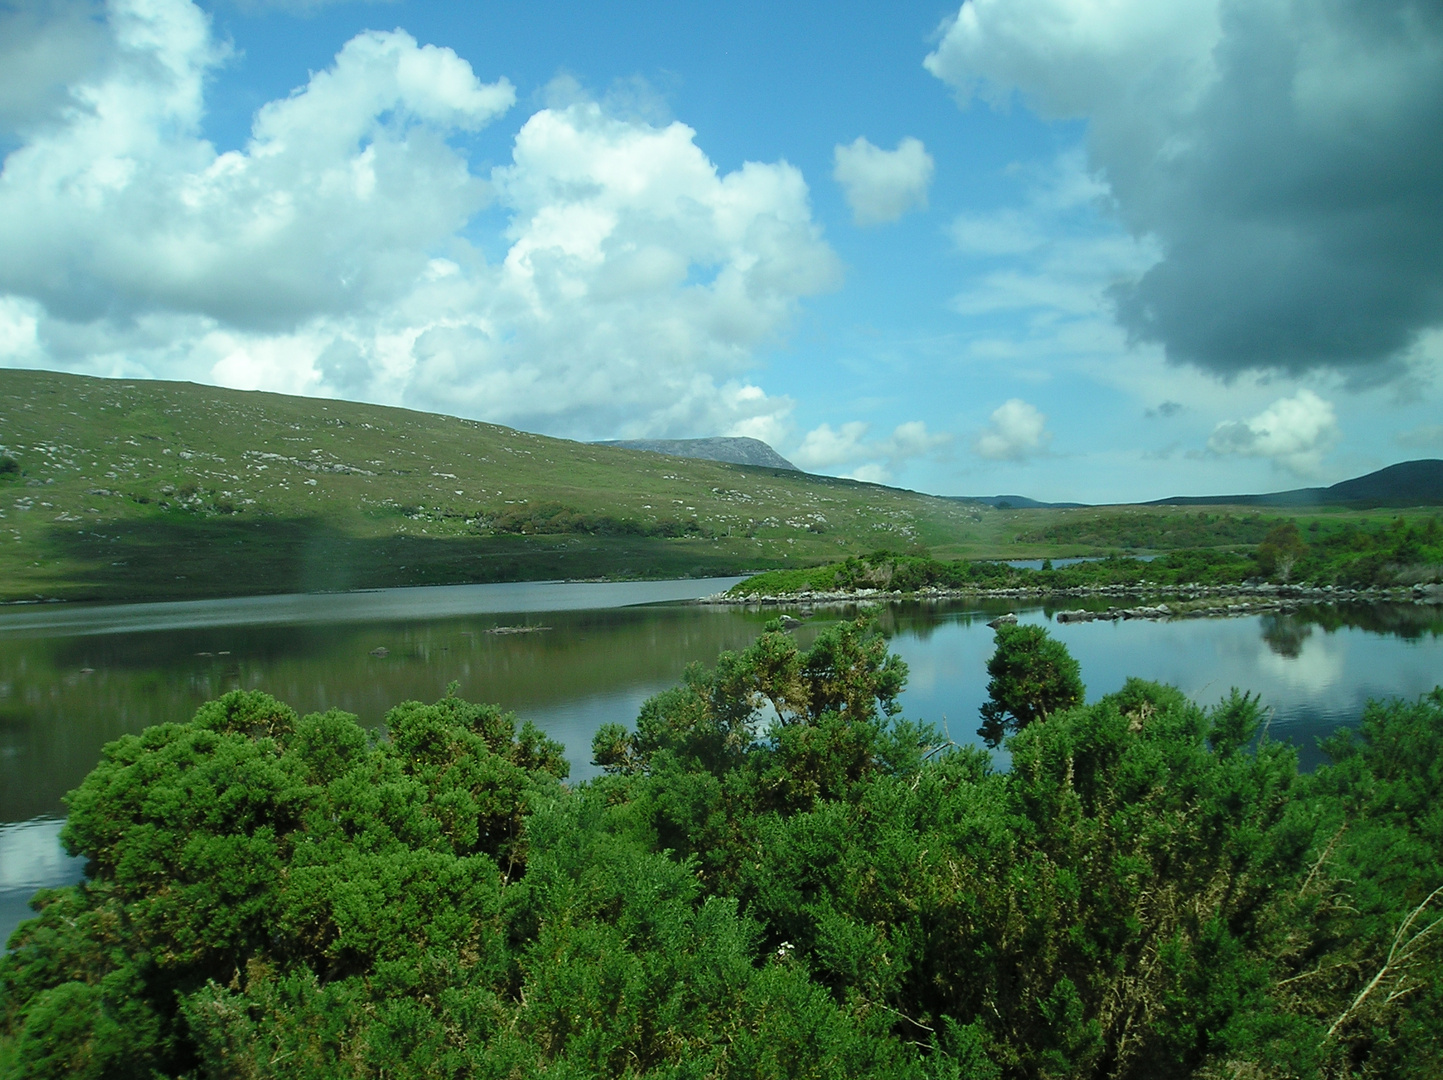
[73,677]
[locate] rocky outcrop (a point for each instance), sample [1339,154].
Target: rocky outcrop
[737,451]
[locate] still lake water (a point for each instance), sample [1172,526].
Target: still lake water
[73,677]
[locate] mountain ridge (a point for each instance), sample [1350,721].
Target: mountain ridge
[734,449]
[1403,484]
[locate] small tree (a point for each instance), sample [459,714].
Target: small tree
[1280,551]
[1033,676]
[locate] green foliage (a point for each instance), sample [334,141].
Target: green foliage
[1350,554]
[1032,676]
[1156,532]
[1281,550]
[1346,554]
[777,876]
[250,845]
[819,708]
[553,518]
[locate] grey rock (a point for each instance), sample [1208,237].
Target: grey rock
[736,451]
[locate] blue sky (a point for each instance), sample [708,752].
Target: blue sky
[1100,250]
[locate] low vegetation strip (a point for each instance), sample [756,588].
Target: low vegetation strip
[777,876]
[1343,558]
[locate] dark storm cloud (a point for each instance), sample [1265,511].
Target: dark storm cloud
[1285,155]
[1302,222]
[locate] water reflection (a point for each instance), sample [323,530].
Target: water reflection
[1285,634]
[31,858]
[61,699]
[67,690]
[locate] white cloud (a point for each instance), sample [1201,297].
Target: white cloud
[1016,432]
[1075,57]
[333,253]
[1005,232]
[873,460]
[1294,433]
[882,185]
[823,448]
[125,209]
[872,473]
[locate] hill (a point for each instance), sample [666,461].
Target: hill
[135,489]
[1408,483]
[738,451]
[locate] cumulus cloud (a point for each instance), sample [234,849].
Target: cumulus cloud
[873,460]
[336,252]
[882,185]
[1283,155]
[124,209]
[1294,433]
[1016,432]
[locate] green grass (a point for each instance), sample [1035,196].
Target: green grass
[132,489]
[1399,553]
[142,490]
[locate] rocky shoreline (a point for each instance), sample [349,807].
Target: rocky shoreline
[1185,601]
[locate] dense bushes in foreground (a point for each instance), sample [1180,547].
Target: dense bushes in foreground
[777,876]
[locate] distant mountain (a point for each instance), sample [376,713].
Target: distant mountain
[1409,483]
[736,451]
[1015,502]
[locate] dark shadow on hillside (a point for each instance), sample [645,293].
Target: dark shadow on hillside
[190,558]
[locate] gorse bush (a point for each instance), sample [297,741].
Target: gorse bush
[776,876]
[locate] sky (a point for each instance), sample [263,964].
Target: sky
[1090,250]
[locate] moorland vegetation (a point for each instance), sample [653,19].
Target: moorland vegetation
[117,489]
[778,875]
[1348,554]
[146,490]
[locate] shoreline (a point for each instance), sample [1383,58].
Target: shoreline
[1190,601]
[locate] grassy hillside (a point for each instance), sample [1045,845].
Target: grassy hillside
[126,489]
[133,489]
